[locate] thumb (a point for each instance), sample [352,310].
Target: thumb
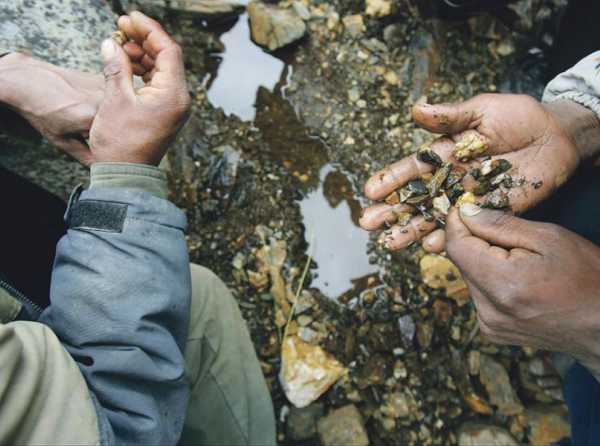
[501,228]
[446,118]
[118,72]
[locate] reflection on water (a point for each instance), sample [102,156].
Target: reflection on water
[337,244]
[244,67]
[248,82]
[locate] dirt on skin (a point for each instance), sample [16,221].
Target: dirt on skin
[292,169]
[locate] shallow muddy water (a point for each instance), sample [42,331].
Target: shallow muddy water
[250,83]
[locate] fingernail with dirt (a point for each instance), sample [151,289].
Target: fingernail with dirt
[108,49]
[469,210]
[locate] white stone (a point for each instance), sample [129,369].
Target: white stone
[307,371]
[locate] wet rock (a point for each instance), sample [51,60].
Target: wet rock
[459,368]
[476,434]
[427,56]
[204,8]
[354,25]
[382,337]
[274,27]
[547,424]
[497,384]
[407,329]
[398,405]
[223,171]
[305,302]
[308,335]
[442,311]
[378,8]
[271,258]
[67,33]
[424,334]
[307,371]
[301,10]
[302,423]
[400,371]
[541,380]
[343,426]
[474,360]
[440,273]
[304,320]
[375,372]
[376,302]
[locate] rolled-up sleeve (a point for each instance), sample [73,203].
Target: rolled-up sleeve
[580,84]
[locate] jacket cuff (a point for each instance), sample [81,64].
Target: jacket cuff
[139,177]
[580,84]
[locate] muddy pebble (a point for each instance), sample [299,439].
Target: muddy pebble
[343,426]
[496,381]
[547,424]
[302,423]
[407,329]
[477,434]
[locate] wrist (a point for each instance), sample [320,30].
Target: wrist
[580,125]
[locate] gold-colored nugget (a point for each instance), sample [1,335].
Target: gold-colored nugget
[120,37]
[471,146]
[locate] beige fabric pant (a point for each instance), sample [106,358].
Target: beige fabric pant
[45,400]
[230,403]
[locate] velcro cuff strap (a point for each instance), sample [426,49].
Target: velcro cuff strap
[97,215]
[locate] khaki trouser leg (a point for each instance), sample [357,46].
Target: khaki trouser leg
[230,403]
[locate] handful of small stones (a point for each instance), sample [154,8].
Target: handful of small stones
[434,193]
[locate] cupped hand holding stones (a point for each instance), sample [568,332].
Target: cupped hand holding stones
[534,141]
[137,126]
[533,284]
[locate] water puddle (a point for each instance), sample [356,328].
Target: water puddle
[249,82]
[242,69]
[336,242]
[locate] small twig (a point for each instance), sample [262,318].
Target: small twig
[298,290]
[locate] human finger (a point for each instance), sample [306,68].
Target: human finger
[399,237]
[148,62]
[118,71]
[471,254]
[134,51]
[384,182]
[378,215]
[126,25]
[434,242]
[448,118]
[503,229]
[138,69]
[154,37]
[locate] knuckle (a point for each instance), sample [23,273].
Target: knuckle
[112,70]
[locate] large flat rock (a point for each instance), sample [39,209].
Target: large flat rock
[64,32]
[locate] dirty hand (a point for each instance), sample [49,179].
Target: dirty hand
[542,142]
[138,126]
[58,102]
[533,284]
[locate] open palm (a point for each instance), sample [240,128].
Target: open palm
[515,127]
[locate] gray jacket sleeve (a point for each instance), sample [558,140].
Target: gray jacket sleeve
[580,84]
[120,299]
